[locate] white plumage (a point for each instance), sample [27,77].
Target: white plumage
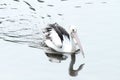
[58,39]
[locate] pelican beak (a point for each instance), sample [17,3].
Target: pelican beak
[77,40]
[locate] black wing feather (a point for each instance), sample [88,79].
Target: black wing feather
[60,31]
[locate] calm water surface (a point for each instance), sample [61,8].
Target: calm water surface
[98,28]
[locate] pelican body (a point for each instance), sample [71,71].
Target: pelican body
[59,40]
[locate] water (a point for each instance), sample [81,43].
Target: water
[98,26]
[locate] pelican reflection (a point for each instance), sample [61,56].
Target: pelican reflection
[58,57]
[73,72]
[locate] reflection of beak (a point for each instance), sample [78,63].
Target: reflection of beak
[79,43]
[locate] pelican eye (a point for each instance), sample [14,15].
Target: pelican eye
[73,30]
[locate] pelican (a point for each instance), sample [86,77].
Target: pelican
[59,40]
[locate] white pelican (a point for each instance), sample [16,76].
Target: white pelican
[58,39]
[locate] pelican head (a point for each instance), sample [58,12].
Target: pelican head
[73,33]
[73,29]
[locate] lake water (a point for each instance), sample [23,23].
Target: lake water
[98,29]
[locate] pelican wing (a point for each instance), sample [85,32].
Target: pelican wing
[56,34]
[51,35]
